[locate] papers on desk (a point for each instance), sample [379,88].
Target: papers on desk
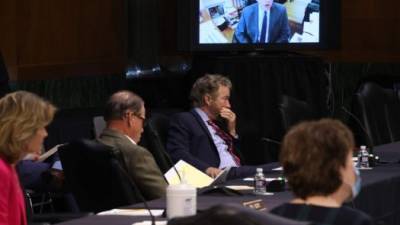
[310,31]
[252,179]
[131,212]
[278,169]
[210,34]
[49,153]
[240,187]
[148,222]
[193,176]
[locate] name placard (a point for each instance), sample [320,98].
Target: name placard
[257,204]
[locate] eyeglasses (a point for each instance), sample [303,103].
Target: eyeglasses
[140,117]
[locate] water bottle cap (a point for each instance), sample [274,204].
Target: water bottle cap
[363,147]
[259,170]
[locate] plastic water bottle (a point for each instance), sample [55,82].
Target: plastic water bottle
[260,183]
[181,199]
[363,157]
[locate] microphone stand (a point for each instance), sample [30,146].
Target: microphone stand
[354,117]
[271,140]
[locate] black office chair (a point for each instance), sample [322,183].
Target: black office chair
[48,218]
[154,138]
[379,111]
[293,111]
[233,214]
[96,176]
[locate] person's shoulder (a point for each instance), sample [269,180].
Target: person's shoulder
[250,8]
[278,209]
[278,6]
[182,116]
[357,216]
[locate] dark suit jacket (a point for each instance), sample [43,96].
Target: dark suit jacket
[140,164]
[247,29]
[190,140]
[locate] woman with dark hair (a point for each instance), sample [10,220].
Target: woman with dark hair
[23,118]
[317,161]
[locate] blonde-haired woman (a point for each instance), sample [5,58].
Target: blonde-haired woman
[23,118]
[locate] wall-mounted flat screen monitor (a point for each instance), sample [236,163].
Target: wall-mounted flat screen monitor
[261,24]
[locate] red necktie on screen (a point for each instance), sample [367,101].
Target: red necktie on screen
[227,139]
[264,28]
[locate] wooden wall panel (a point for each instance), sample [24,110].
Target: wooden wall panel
[8,36]
[68,37]
[370,32]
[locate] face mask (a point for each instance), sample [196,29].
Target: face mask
[356,187]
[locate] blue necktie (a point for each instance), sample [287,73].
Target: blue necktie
[264,28]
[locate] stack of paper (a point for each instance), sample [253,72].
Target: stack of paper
[193,176]
[131,212]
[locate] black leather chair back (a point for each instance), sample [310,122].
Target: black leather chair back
[379,111]
[234,214]
[96,176]
[154,139]
[294,111]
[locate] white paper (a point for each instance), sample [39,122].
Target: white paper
[240,187]
[296,38]
[252,179]
[265,193]
[192,175]
[278,169]
[49,153]
[131,212]
[209,33]
[148,222]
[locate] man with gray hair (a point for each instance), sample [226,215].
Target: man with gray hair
[125,115]
[206,136]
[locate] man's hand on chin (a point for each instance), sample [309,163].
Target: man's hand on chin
[212,171]
[230,116]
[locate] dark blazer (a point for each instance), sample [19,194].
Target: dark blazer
[247,29]
[139,162]
[190,140]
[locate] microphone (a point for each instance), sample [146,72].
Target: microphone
[160,146]
[369,139]
[138,193]
[270,140]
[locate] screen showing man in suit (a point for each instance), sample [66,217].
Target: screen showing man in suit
[259,21]
[263,22]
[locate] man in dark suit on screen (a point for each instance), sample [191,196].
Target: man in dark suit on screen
[206,136]
[263,22]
